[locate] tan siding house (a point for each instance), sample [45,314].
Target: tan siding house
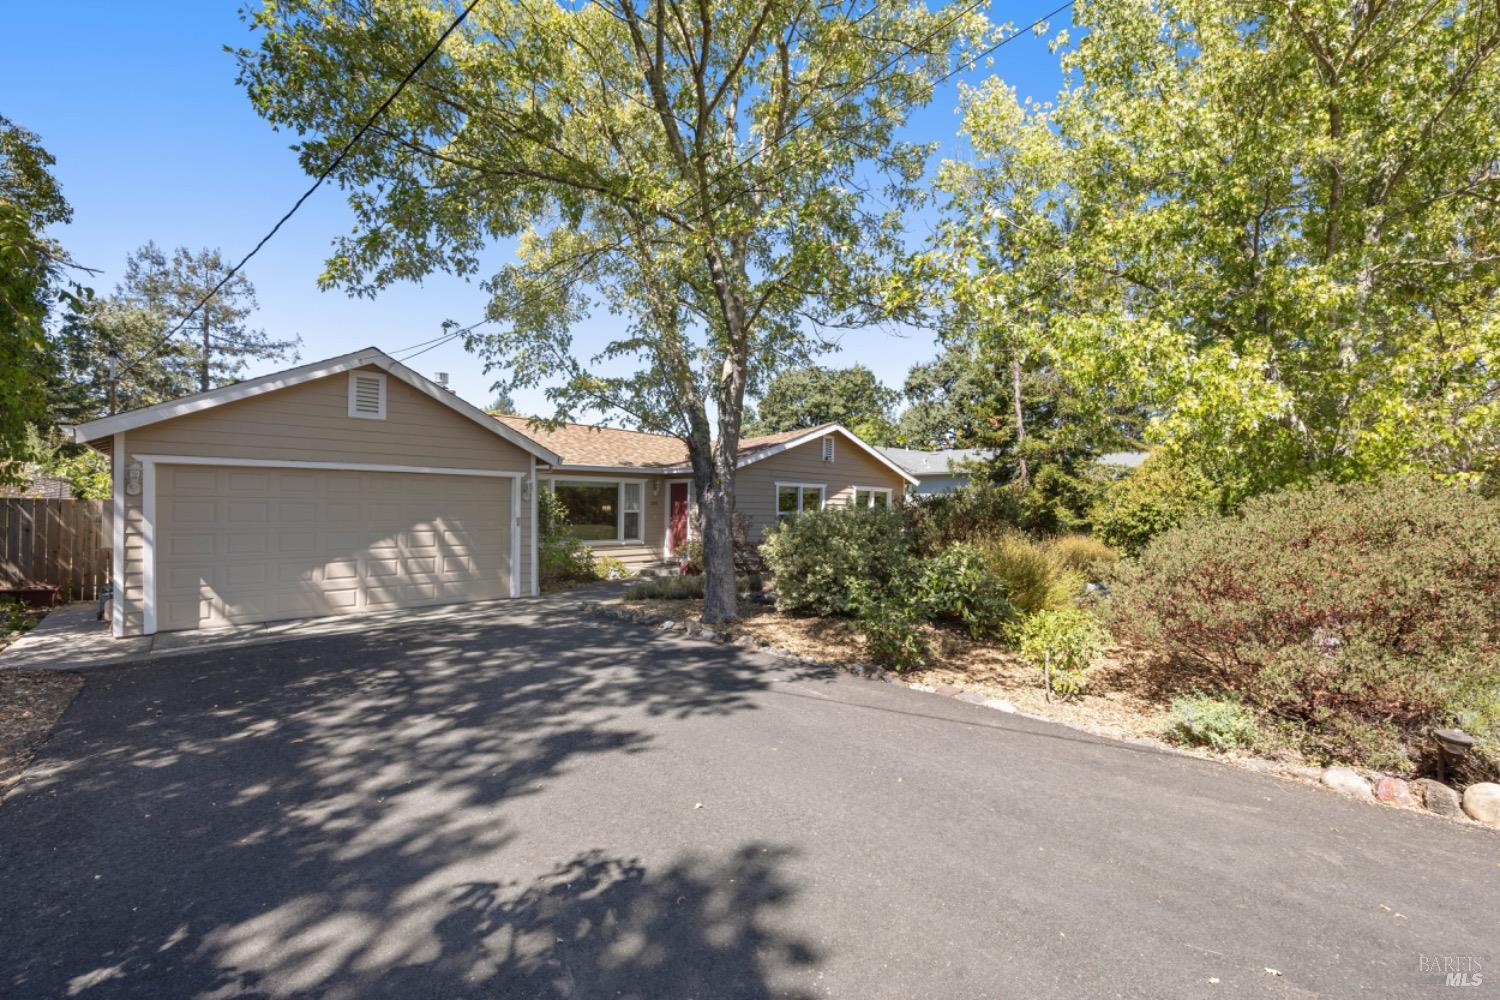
[354,484]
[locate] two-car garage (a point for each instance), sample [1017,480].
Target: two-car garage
[343,486]
[237,544]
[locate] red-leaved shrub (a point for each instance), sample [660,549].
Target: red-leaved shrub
[1356,616]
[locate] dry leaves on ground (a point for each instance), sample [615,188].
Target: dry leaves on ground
[30,703]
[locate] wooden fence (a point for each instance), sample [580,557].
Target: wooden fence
[59,543]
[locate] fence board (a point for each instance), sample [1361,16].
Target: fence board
[54,543]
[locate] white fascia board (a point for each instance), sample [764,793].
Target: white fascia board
[120,422]
[873,452]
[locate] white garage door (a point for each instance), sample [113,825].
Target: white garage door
[241,545]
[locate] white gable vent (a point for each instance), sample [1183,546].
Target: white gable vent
[828,448]
[367,395]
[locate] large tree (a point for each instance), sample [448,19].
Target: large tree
[1273,223]
[804,397]
[157,290]
[33,276]
[703,170]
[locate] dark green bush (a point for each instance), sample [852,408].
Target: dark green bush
[1357,615]
[890,620]
[816,557]
[957,588]
[969,514]
[561,557]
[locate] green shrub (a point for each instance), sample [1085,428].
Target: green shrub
[1083,554]
[969,514]
[955,586]
[1034,580]
[610,568]
[1062,642]
[681,588]
[561,557]
[891,623]
[1203,720]
[1358,615]
[1143,503]
[817,557]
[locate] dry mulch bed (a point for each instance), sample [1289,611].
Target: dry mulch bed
[30,703]
[1124,698]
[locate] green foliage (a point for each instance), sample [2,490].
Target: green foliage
[1082,554]
[1274,229]
[805,397]
[955,586]
[1034,580]
[1204,720]
[890,621]
[32,280]
[682,588]
[16,618]
[1141,504]
[971,513]
[819,557]
[610,568]
[1356,615]
[561,557]
[709,200]
[1062,642]
[951,402]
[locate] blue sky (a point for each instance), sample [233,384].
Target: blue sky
[154,141]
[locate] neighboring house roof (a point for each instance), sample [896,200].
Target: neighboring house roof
[104,427]
[591,447]
[41,488]
[935,463]
[1123,459]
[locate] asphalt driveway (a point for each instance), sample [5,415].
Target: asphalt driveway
[541,806]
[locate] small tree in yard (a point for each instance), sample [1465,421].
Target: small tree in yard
[701,169]
[1062,643]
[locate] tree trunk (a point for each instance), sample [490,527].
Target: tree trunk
[207,347]
[1022,473]
[720,600]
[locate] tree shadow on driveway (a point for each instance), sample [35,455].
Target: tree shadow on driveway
[337,817]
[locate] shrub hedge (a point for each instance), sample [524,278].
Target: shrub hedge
[1356,615]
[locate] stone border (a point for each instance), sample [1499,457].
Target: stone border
[1479,803]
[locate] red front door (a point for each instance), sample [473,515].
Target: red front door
[679,513]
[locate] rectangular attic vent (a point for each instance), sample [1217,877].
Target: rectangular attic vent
[367,395]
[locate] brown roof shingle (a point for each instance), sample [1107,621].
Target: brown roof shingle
[588,444]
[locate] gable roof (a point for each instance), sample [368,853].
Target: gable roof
[601,447]
[591,447]
[935,463]
[104,427]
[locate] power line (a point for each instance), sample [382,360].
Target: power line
[322,176]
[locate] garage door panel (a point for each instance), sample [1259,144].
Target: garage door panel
[321,543]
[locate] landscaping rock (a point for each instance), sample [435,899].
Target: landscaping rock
[707,633]
[1438,797]
[999,705]
[1346,780]
[668,625]
[972,698]
[949,690]
[1482,803]
[1395,792]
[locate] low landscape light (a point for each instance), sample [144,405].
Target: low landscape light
[1453,744]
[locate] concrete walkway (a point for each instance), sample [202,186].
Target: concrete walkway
[70,637]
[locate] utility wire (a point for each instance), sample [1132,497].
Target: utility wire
[323,175]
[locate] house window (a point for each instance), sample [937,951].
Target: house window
[872,497]
[793,498]
[601,510]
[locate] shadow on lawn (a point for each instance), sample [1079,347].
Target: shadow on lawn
[329,817]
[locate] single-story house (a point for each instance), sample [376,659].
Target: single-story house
[937,471]
[356,484]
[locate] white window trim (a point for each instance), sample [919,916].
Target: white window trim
[117,555]
[148,509]
[619,539]
[354,378]
[801,495]
[854,502]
